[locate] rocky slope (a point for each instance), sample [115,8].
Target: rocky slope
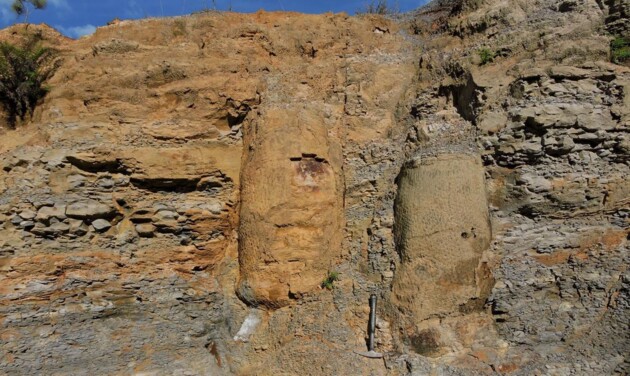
[186,186]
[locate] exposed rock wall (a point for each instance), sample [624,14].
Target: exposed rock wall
[145,216]
[188,183]
[618,18]
[568,228]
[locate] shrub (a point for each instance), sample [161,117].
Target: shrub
[486,55]
[620,50]
[329,281]
[23,70]
[21,7]
[378,7]
[179,28]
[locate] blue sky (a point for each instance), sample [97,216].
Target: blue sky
[80,17]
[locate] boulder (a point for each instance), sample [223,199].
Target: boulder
[78,227]
[27,225]
[60,227]
[27,215]
[53,230]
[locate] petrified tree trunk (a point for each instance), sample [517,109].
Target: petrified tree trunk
[441,229]
[291,206]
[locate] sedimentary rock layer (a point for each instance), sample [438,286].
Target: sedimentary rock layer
[187,183]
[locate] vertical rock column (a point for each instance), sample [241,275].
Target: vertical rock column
[291,206]
[441,229]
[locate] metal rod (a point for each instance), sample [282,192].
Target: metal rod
[372,323]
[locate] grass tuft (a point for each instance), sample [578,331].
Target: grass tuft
[620,50]
[329,281]
[486,55]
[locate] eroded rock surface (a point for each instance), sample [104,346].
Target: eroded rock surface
[442,228]
[291,207]
[186,186]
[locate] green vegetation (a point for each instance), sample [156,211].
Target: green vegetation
[23,70]
[21,7]
[379,7]
[329,281]
[486,55]
[620,50]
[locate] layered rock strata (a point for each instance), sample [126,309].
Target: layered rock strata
[186,186]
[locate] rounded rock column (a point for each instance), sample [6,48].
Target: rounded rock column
[291,206]
[441,229]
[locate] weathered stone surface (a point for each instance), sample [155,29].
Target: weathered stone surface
[101,225]
[493,122]
[291,204]
[161,138]
[27,214]
[567,72]
[89,210]
[78,227]
[142,215]
[94,162]
[27,225]
[442,228]
[145,230]
[318,114]
[55,229]
[45,213]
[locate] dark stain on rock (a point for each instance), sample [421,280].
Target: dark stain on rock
[425,342]
[309,168]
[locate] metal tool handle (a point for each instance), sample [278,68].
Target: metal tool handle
[372,323]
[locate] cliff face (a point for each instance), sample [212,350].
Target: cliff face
[187,185]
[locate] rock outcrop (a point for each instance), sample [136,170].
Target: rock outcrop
[187,185]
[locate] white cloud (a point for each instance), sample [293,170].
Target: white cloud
[77,31]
